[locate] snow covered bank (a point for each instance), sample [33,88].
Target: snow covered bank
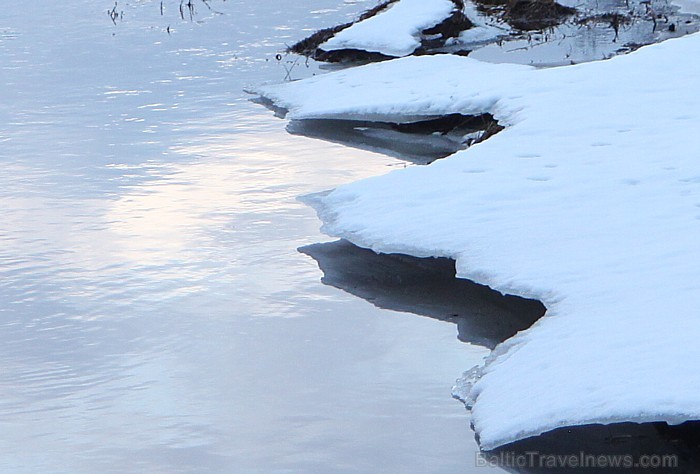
[399,91]
[392,28]
[395,31]
[589,201]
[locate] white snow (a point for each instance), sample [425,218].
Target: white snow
[393,32]
[481,34]
[588,201]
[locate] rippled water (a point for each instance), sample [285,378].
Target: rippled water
[155,314]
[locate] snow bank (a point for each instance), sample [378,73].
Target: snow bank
[399,91]
[589,201]
[395,31]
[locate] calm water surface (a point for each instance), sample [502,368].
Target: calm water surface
[155,314]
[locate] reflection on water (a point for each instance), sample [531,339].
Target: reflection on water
[379,138]
[602,29]
[421,146]
[640,447]
[425,286]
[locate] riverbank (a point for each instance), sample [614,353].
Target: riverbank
[596,220]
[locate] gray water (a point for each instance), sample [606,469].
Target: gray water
[155,314]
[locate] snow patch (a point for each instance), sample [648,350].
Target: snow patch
[393,32]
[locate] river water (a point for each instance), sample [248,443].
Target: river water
[155,313]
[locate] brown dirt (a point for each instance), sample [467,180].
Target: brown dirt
[484,123]
[452,26]
[536,14]
[527,14]
[310,46]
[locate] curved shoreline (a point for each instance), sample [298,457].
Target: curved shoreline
[360,212]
